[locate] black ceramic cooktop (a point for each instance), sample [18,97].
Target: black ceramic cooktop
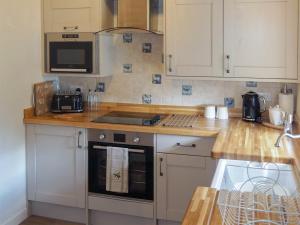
[130,118]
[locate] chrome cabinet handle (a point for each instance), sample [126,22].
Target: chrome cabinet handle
[160,167]
[227,64]
[170,63]
[186,146]
[71,28]
[78,140]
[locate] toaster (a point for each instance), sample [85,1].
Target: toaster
[67,102]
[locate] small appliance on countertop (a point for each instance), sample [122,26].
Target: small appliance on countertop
[252,107]
[67,102]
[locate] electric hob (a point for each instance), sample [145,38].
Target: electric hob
[130,118]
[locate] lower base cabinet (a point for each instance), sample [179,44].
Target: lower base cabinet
[56,165]
[177,178]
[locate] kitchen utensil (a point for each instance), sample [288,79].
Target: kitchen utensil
[210,112]
[252,107]
[222,113]
[276,115]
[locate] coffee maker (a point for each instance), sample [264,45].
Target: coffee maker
[252,107]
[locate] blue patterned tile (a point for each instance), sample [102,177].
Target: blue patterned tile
[127,38]
[101,87]
[147,99]
[229,102]
[251,84]
[127,68]
[156,79]
[147,47]
[187,89]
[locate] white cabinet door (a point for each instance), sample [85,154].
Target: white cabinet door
[194,38]
[56,165]
[261,38]
[177,178]
[71,15]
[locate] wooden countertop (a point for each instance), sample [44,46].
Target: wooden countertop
[203,209]
[235,139]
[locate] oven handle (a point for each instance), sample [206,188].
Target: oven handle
[129,150]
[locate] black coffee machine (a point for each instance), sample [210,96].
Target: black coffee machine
[252,107]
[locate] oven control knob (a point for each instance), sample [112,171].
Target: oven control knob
[102,136]
[136,140]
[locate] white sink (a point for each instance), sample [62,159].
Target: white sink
[231,174]
[252,192]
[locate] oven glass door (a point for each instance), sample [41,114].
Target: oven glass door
[71,57]
[140,171]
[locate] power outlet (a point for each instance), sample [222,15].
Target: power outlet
[266,95]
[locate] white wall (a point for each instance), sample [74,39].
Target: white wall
[20,67]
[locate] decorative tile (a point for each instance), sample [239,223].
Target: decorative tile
[187,89]
[156,79]
[127,68]
[251,84]
[147,99]
[127,38]
[229,102]
[147,47]
[100,87]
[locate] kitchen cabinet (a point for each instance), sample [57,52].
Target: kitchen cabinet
[260,39]
[77,15]
[56,165]
[194,38]
[183,163]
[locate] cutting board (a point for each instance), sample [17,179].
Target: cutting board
[43,93]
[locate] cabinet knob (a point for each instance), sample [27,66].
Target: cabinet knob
[102,136]
[136,140]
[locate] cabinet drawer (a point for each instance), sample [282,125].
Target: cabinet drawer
[185,145]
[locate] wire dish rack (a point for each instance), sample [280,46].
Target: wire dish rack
[259,194]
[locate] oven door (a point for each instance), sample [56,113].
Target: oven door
[140,171]
[71,57]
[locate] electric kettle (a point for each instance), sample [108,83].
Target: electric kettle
[252,107]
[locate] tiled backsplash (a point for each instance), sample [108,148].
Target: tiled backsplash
[138,77]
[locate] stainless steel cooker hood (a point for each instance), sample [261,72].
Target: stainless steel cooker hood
[137,16]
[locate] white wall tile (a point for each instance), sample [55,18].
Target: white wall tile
[129,88]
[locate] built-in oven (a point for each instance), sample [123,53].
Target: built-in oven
[140,162]
[71,53]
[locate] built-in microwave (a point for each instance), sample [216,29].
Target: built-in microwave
[71,53]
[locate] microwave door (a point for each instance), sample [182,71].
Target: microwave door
[71,57]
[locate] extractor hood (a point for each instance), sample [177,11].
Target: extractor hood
[137,15]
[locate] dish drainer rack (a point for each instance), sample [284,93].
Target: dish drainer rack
[259,194]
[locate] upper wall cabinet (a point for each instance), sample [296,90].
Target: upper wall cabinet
[194,38]
[77,15]
[261,38]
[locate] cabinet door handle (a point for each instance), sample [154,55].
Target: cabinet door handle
[186,146]
[71,28]
[160,167]
[227,64]
[170,63]
[78,140]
